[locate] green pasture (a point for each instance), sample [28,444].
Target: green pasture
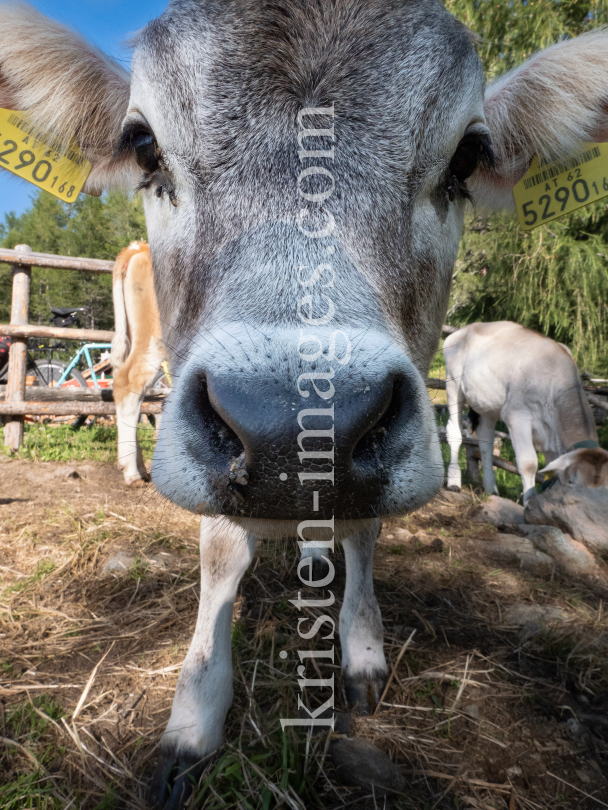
[48,442]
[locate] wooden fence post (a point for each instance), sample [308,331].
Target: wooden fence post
[13,427]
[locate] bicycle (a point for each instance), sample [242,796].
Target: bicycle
[57,373]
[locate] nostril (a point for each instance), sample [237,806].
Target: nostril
[221,437]
[368,450]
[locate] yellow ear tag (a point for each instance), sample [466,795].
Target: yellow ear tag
[552,190]
[60,172]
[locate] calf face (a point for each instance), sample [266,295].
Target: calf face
[586,467]
[234,257]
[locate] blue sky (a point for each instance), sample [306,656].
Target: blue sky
[106,23]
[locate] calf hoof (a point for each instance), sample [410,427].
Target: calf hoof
[363,692]
[174,779]
[138,481]
[361,764]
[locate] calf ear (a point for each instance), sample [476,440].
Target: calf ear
[550,105]
[561,463]
[71,90]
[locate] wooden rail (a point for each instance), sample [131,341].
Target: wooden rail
[50,260]
[18,409]
[91,335]
[599,403]
[16,406]
[40,393]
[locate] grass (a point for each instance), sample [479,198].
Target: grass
[29,723]
[48,442]
[43,567]
[437,368]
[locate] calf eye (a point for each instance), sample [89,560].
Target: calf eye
[146,151]
[472,150]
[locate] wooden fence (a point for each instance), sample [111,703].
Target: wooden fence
[20,401]
[32,401]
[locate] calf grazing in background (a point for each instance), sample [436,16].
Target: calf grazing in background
[305,169]
[582,468]
[137,351]
[505,371]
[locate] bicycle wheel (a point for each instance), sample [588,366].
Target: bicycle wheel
[49,372]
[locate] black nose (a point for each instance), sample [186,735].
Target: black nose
[272,449]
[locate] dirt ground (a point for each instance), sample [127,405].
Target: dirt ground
[482,711]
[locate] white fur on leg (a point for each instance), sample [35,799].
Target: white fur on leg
[204,689]
[130,459]
[485,437]
[520,431]
[361,633]
[454,433]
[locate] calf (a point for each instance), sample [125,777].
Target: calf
[505,371]
[305,169]
[583,468]
[137,351]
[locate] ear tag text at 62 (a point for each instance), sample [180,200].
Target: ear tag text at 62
[553,190]
[61,172]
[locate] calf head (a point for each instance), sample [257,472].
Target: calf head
[305,170]
[586,467]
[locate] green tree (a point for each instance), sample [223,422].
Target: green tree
[555,278]
[92,227]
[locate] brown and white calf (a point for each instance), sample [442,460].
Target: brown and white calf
[137,351]
[505,371]
[305,169]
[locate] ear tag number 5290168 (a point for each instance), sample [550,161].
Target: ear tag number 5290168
[552,190]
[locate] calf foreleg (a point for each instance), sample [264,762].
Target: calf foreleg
[130,385]
[130,457]
[520,431]
[361,634]
[485,437]
[454,433]
[320,568]
[204,689]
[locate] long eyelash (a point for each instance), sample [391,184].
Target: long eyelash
[145,182]
[463,190]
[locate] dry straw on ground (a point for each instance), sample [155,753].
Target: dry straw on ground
[479,713]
